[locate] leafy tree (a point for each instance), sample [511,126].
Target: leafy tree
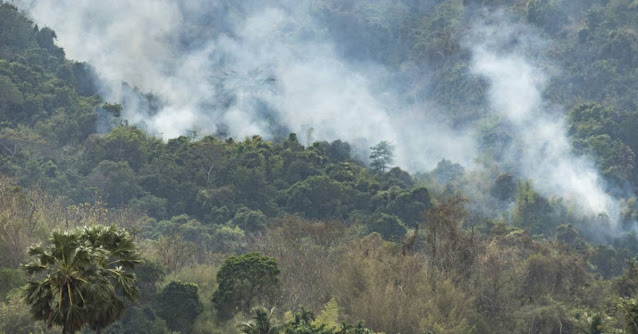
[613,157]
[15,317]
[179,305]
[249,220]
[629,308]
[46,40]
[329,316]
[317,197]
[113,108]
[546,13]
[124,144]
[604,134]
[533,211]
[381,156]
[211,156]
[82,278]
[298,170]
[138,320]
[226,239]
[446,171]
[390,227]
[567,234]
[410,206]
[152,205]
[148,274]
[627,284]
[9,280]
[116,180]
[339,151]
[10,96]
[252,187]
[245,280]
[21,36]
[397,177]
[609,263]
[504,187]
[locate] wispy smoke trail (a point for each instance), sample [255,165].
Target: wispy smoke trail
[504,53]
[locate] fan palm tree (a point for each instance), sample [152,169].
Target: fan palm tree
[260,323]
[81,278]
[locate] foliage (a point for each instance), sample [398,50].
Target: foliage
[245,280]
[138,320]
[16,318]
[303,324]
[446,172]
[381,156]
[261,323]
[329,316]
[504,187]
[249,220]
[535,212]
[629,309]
[390,227]
[178,304]
[10,279]
[81,278]
[482,250]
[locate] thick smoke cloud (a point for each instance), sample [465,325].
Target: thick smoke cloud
[240,68]
[244,68]
[509,55]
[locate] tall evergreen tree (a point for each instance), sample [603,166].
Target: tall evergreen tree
[381,156]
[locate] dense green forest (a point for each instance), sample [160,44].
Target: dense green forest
[119,231]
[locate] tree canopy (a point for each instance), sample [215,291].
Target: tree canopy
[292,226]
[245,280]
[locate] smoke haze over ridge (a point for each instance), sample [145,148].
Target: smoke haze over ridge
[270,67]
[268,70]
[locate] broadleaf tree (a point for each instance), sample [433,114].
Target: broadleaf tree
[245,280]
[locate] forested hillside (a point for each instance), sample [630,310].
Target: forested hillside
[109,227]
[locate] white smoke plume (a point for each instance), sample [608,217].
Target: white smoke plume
[240,68]
[243,69]
[507,54]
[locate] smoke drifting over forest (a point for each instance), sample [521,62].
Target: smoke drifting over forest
[269,68]
[542,150]
[244,69]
